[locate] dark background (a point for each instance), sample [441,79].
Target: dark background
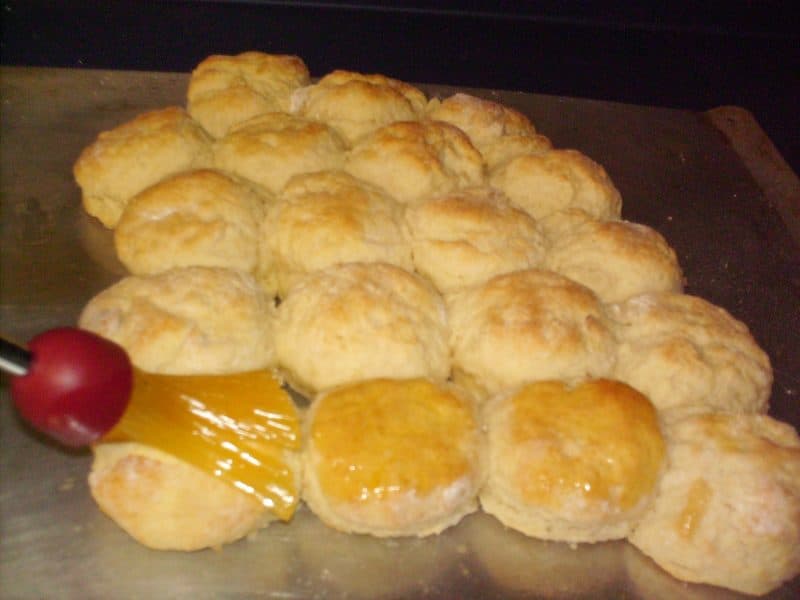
[688,55]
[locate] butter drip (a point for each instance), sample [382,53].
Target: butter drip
[695,508]
[240,427]
[598,442]
[386,438]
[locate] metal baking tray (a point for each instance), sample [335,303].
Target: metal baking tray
[676,172]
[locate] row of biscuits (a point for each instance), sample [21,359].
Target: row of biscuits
[546,457]
[330,196]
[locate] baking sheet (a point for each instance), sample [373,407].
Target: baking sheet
[675,173]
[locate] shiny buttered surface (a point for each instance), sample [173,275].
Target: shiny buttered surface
[462,304]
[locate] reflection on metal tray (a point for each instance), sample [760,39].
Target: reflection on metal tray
[675,173]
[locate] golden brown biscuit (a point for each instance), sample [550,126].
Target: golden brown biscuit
[270,148]
[327,218]
[464,238]
[355,103]
[728,508]
[686,354]
[195,320]
[167,504]
[392,457]
[616,259]
[356,321]
[196,218]
[122,162]
[413,161]
[542,184]
[559,469]
[226,90]
[526,326]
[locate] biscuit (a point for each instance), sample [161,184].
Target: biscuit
[687,354]
[196,218]
[616,259]
[195,320]
[415,160]
[326,218]
[482,120]
[167,504]
[355,103]
[413,468]
[559,468]
[226,90]
[557,180]
[728,508]
[357,321]
[508,147]
[270,148]
[123,161]
[466,237]
[525,326]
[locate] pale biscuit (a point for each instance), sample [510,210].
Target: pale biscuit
[167,504]
[687,354]
[195,218]
[728,508]
[482,120]
[525,326]
[616,259]
[467,237]
[123,161]
[415,160]
[355,103]
[414,467]
[327,218]
[357,321]
[499,132]
[559,468]
[557,180]
[226,90]
[271,148]
[508,147]
[195,320]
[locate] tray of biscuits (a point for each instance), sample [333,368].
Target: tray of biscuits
[503,345]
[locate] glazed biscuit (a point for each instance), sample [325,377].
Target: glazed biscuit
[196,218]
[728,508]
[125,160]
[327,218]
[271,148]
[357,321]
[616,259]
[467,237]
[226,90]
[356,104]
[559,468]
[557,180]
[392,457]
[194,320]
[415,160]
[687,354]
[508,147]
[525,326]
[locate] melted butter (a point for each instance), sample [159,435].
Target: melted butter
[599,441]
[237,427]
[384,438]
[696,505]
